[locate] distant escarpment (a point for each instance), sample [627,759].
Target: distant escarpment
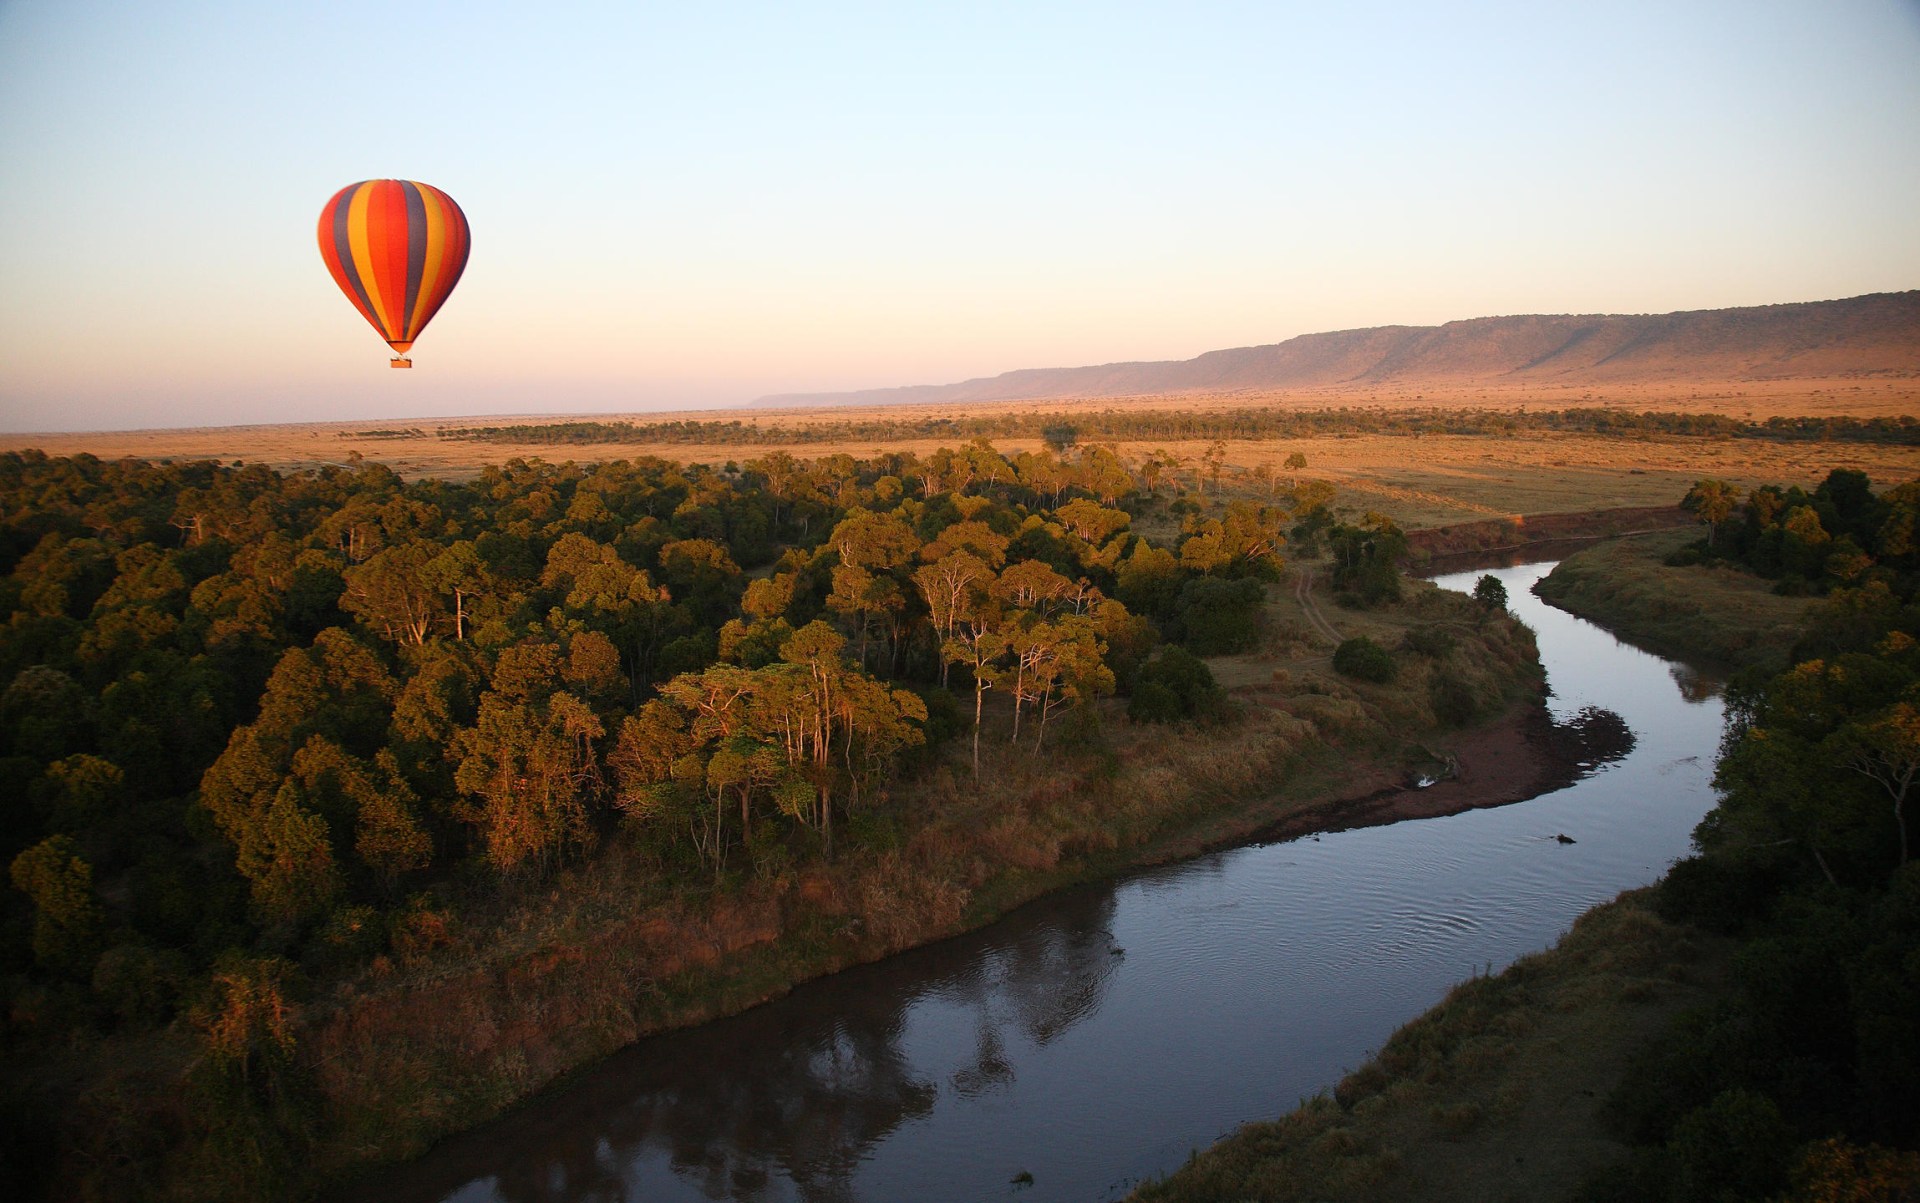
[1866,336]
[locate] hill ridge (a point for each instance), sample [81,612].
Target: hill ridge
[1875,333]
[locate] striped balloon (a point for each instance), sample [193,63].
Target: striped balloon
[396,248]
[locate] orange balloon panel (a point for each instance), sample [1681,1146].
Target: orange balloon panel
[396,248]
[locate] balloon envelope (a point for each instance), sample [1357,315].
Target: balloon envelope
[396,248]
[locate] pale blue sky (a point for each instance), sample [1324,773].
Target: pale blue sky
[695,204]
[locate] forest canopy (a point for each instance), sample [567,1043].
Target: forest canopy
[293,715]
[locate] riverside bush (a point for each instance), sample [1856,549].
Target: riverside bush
[1176,685]
[1364,660]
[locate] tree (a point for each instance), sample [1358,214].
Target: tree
[1031,585]
[1367,559]
[978,642]
[1149,580]
[1216,616]
[1268,475]
[1252,535]
[715,703]
[770,597]
[1205,548]
[802,734]
[1042,474]
[1885,748]
[531,774]
[1804,540]
[701,574]
[989,466]
[952,587]
[387,837]
[871,548]
[1714,502]
[1490,592]
[458,570]
[1092,523]
[287,857]
[1215,460]
[1783,744]
[1156,461]
[393,592]
[1174,685]
[596,583]
[1311,497]
[1101,473]
[66,919]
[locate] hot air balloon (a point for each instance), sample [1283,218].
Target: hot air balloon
[396,248]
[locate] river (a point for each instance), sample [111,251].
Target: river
[1097,1036]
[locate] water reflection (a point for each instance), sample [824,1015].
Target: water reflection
[787,1100]
[1591,738]
[1695,685]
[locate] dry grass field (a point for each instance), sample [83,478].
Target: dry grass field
[1423,481]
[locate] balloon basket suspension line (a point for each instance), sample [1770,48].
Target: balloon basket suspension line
[400,361]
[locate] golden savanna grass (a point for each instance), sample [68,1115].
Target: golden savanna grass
[1421,481]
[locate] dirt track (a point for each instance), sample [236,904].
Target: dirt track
[1303,593]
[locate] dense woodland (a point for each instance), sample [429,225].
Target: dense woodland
[1148,425]
[1807,1076]
[246,710]
[264,728]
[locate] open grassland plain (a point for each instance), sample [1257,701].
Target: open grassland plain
[1493,1096]
[1704,611]
[1420,480]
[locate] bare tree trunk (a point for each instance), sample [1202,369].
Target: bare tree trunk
[979,697]
[1019,688]
[1899,819]
[1831,879]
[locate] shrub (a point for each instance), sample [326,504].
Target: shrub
[1363,659]
[1432,642]
[1153,702]
[1217,617]
[1178,685]
[1734,1147]
[1719,893]
[1490,592]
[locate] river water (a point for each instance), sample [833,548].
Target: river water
[1096,1037]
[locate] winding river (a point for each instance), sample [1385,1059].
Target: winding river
[1096,1037]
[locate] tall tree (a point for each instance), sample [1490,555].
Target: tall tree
[1714,501]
